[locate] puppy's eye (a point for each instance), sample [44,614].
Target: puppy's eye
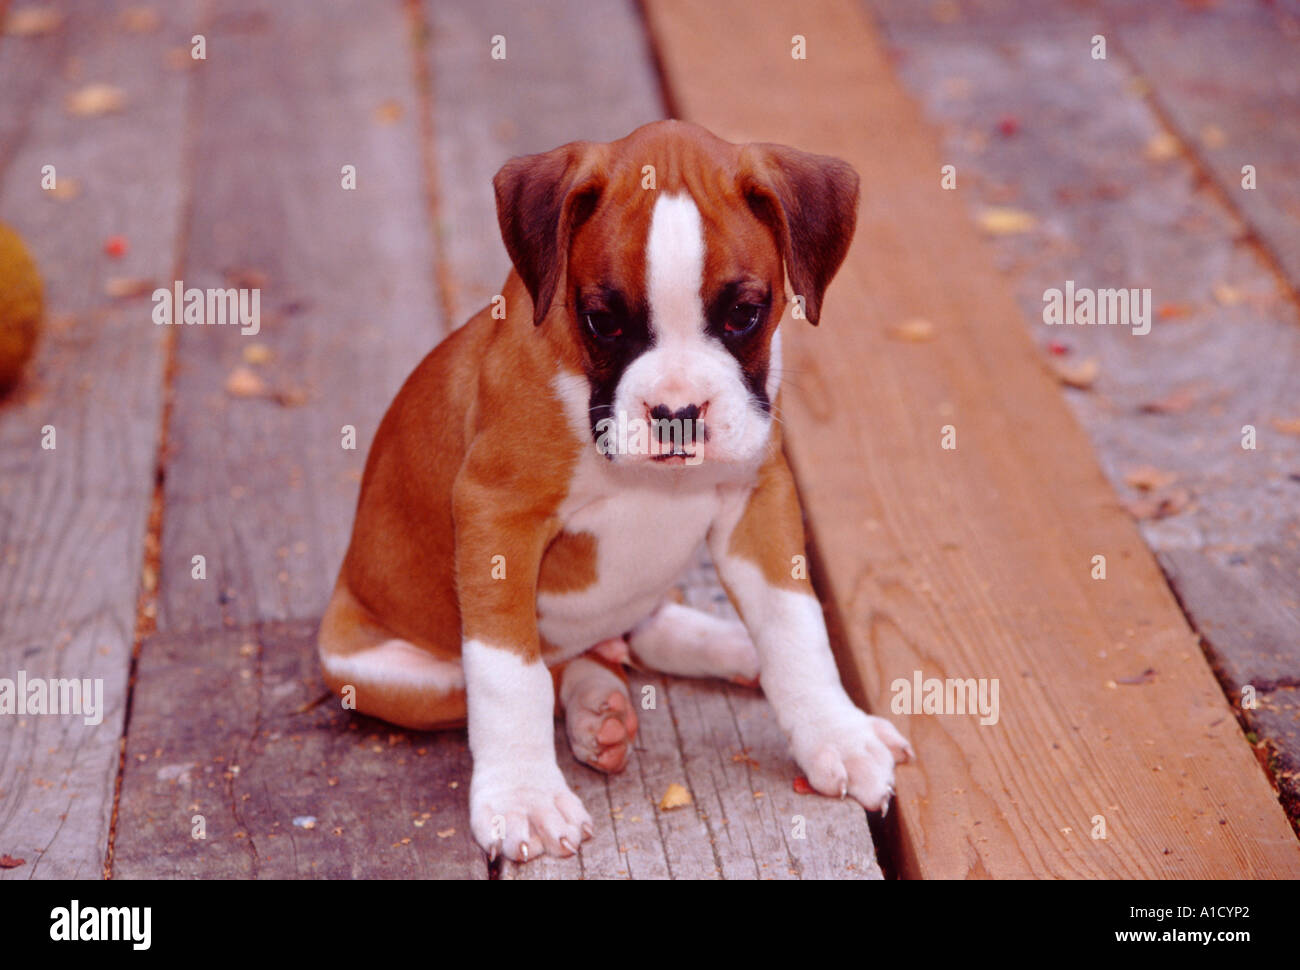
[742,318]
[604,326]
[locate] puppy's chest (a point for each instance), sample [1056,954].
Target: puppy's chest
[620,550]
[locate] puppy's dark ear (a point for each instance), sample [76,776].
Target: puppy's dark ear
[810,202]
[541,200]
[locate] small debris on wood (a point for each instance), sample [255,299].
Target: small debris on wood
[140,20]
[128,287]
[1286,425]
[1161,147]
[32,21]
[305,821]
[1176,402]
[1000,221]
[1146,677]
[94,100]
[65,188]
[1080,376]
[1148,479]
[256,354]
[802,787]
[675,797]
[242,382]
[915,330]
[389,112]
[1159,506]
[115,246]
[9,862]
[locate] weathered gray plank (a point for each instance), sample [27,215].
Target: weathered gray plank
[261,486]
[244,744]
[1228,78]
[1119,202]
[72,519]
[572,71]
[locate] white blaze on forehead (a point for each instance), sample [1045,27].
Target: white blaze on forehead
[675,267]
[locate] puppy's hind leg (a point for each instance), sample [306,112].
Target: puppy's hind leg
[390,678]
[681,640]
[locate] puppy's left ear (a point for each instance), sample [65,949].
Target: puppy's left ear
[810,202]
[541,201]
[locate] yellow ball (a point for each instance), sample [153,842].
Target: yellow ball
[20,306]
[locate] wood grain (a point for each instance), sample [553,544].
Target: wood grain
[234,736]
[261,486]
[72,519]
[974,562]
[1225,343]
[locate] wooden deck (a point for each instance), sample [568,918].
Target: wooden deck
[967,563]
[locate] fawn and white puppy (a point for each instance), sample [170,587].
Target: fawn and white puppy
[544,476]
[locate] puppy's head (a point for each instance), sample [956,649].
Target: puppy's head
[663,258]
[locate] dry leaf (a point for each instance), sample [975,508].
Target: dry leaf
[32,21]
[65,188]
[125,287]
[94,100]
[1148,479]
[1159,506]
[915,330]
[9,862]
[257,354]
[1286,425]
[140,20]
[242,382]
[389,112]
[675,797]
[446,833]
[999,221]
[1162,147]
[1081,375]
[1228,295]
[802,787]
[1175,402]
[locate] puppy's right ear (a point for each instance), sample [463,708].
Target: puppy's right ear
[541,201]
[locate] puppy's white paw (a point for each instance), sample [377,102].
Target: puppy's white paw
[523,814]
[846,752]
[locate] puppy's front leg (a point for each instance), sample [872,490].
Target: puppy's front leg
[519,802]
[754,544]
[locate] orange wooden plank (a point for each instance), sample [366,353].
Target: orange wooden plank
[974,562]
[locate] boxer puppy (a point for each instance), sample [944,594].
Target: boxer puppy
[548,471]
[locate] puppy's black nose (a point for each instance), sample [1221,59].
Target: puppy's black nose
[662,414]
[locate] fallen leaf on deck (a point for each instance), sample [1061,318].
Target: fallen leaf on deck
[1176,402]
[446,833]
[802,787]
[9,862]
[242,382]
[32,21]
[1081,375]
[1159,506]
[65,188]
[998,221]
[1212,136]
[1286,425]
[140,20]
[1148,479]
[256,354]
[915,330]
[1228,295]
[124,287]
[745,758]
[675,797]
[94,100]
[389,112]
[1161,147]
